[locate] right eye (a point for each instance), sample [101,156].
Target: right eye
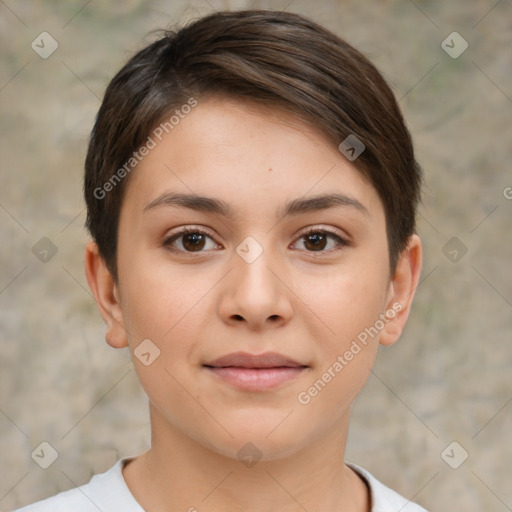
[190,239]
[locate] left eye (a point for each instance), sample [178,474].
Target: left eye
[317,239]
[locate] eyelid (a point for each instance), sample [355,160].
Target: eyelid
[327,229]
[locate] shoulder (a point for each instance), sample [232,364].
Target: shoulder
[385,499]
[106,491]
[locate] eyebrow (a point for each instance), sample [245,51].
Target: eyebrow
[291,207]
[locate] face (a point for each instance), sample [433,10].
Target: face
[267,264]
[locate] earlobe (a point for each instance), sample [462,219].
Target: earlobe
[403,287]
[106,294]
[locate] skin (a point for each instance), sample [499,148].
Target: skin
[305,302]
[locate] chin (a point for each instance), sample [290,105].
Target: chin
[262,440]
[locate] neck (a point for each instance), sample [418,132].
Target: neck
[178,473]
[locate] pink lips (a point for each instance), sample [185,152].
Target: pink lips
[255,372]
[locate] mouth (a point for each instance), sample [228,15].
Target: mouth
[255,372]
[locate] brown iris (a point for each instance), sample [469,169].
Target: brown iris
[193,241]
[317,241]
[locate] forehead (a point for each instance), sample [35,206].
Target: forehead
[248,156]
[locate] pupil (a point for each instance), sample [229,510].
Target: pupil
[197,239]
[317,240]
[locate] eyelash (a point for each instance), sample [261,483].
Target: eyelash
[340,241]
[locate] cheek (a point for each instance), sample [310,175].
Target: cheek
[161,310]
[163,303]
[348,308]
[346,301]
[153,298]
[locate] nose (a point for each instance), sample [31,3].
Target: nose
[256,293]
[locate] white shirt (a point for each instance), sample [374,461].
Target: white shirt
[108,492]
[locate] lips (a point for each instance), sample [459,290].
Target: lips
[255,372]
[245,360]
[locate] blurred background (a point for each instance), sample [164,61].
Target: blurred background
[435,419]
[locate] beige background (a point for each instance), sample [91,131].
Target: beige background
[447,379]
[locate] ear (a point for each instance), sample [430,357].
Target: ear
[106,294]
[401,291]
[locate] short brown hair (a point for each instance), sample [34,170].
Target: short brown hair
[275,58]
